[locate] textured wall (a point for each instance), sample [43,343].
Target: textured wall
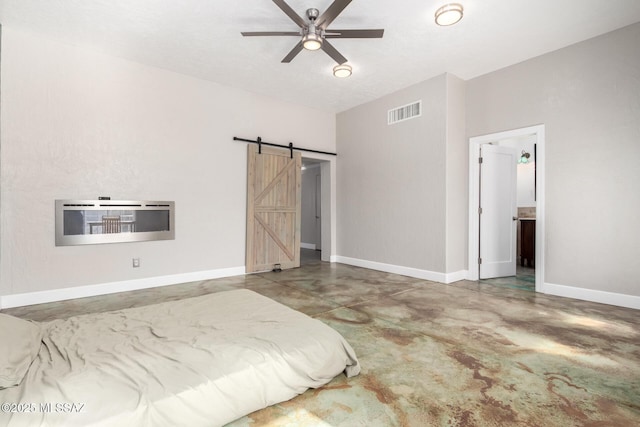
[79,124]
[588,97]
[457,176]
[392,180]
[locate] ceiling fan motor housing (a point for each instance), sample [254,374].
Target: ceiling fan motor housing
[312,38]
[311,28]
[313,14]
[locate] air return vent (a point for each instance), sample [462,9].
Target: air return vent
[406,112]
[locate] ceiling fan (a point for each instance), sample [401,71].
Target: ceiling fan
[313,31]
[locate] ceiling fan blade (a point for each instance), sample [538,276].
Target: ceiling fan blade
[332,52]
[354,34]
[331,13]
[295,51]
[291,13]
[270,33]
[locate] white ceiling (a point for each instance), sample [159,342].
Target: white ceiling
[202,38]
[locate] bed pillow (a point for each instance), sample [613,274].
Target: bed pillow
[19,345]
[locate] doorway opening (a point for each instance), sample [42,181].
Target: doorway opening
[315,221]
[528,267]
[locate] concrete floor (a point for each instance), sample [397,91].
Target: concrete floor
[525,279]
[465,354]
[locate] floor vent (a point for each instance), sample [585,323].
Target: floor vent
[406,112]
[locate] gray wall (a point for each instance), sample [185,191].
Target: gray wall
[457,176]
[392,192]
[77,124]
[402,196]
[588,97]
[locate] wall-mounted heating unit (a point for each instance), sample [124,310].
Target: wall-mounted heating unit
[87,222]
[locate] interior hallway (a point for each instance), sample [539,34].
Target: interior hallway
[466,354]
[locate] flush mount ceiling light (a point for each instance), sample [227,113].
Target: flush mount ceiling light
[342,70]
[449,14]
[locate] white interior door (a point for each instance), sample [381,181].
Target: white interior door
[498,211]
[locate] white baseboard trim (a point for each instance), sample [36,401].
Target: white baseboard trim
[404,271]
[308,246]
[603,297]
[456,276]
[31,298]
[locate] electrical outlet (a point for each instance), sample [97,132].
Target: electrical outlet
[136,262]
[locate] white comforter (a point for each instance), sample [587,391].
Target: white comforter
[202,361]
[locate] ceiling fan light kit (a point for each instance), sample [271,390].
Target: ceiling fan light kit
[342,70]
[449,14]
[314,33]
[312,41]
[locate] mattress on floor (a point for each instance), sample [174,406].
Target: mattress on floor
[201,361]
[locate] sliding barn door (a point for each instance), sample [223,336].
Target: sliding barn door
[273,209]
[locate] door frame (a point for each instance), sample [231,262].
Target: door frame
[327,205]
[473,271]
